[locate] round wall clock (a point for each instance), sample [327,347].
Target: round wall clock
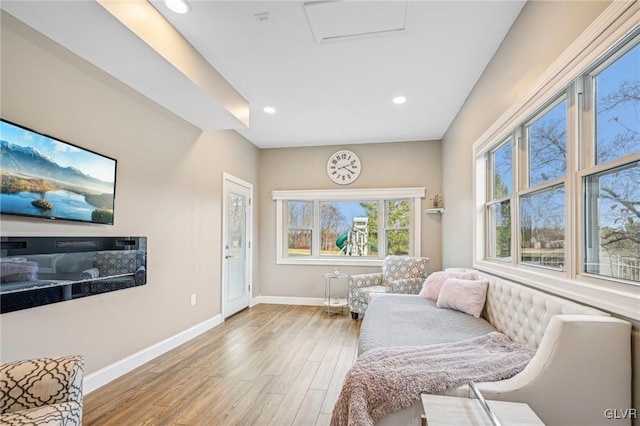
[343,167]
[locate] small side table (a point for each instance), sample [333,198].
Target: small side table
[332,304]
[441,410]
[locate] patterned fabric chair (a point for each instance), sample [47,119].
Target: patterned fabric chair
[400,274]
[45,391]
[127,269]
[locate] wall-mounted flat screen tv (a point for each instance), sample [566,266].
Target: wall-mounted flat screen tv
[46,177]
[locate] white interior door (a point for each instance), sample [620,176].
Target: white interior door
[236,245]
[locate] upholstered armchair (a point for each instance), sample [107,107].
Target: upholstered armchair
[400,274]
[45,391]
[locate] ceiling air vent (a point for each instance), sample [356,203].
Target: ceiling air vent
[348,20]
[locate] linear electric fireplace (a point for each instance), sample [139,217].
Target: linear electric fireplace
[36,271]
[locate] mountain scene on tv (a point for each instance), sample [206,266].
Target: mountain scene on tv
[44,177]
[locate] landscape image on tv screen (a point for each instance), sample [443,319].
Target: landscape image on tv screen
[45,177]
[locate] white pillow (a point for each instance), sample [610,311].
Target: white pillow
[432,285]
[466,296]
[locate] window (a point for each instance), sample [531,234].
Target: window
[502,170]
[547,148]
[612,184]
[499,206]
[617,96]
[542,230]
[398,227]
[612,243]
[500,230]
[300,227]
[542,227]
[558,189]
[347,226]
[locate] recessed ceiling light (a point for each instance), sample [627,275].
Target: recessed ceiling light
[177,6]
[269,110]
[399,100]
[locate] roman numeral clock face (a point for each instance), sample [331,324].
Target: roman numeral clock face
[343,167]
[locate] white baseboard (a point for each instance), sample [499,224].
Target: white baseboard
[284,300]
[111,372]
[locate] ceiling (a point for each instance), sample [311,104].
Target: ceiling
[330,69]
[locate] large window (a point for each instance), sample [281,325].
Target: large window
[347,226]
[561,186]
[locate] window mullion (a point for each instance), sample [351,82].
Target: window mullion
[416,218]
[520,177]
[488,191]
[572,233]
[586,158]
[315,233]
[521,165]
[515,229]
[382,228]
[588,132]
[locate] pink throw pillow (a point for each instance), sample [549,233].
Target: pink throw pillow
[466,296]
[432,285]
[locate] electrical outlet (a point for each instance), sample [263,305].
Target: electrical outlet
[193,299]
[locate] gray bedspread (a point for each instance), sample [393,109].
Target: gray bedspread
[409,320]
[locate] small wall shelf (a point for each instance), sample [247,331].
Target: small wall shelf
[434,211]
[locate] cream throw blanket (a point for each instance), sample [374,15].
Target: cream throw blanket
[385,380]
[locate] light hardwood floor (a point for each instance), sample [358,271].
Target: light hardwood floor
[268,365]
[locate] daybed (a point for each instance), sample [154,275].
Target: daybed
[581,367]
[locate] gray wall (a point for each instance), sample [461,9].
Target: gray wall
[169,187]
[391,165]
[539,35]
[542,31]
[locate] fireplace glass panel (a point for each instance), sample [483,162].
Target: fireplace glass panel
[36,271]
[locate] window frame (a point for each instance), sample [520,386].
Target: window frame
[382,195]
[615,31]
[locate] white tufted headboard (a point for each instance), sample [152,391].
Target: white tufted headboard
[523,313]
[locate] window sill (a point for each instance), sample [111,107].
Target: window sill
[615,297]
[346,261]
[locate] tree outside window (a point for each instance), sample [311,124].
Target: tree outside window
[612,197]
[299,225]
